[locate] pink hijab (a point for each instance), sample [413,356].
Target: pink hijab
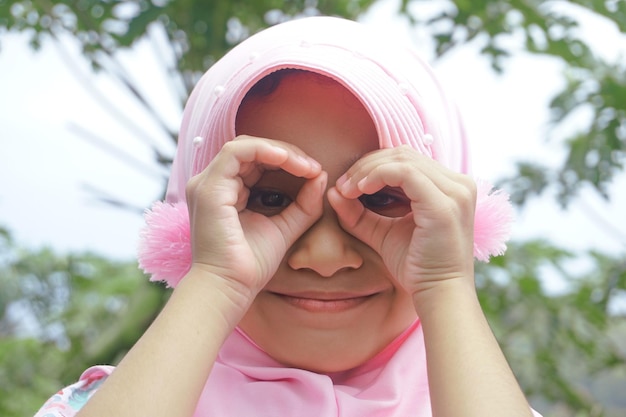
[399,90]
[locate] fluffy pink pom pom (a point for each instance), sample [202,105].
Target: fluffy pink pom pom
[164,250]
[492,221]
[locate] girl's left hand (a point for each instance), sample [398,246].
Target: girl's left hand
[428,246]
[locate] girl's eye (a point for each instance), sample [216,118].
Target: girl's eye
[387,202]
[267,202]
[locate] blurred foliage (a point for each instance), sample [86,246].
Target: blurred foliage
[63,313]
[197,32]
[567,349]
[597,152]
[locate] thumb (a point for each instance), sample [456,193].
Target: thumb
[307,208]
[355,218]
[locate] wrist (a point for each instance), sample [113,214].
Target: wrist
[448,294]
[222,297]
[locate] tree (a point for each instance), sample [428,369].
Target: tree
[196,34]
[60,312]
[550,28]
[566,348]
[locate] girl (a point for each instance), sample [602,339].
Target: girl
[319,231]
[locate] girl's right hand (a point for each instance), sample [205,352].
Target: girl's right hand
[234,243]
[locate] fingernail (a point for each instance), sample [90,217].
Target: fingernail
[362,183]
[315,165]
[306,161]
[323,186]
[341,181]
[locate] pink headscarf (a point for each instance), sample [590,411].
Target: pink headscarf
[398,89]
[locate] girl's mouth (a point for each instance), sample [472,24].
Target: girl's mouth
[324,303]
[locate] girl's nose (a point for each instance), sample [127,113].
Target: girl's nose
[325,248]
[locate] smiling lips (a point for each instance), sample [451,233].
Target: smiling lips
[324,303]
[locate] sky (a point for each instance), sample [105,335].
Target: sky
[46,165]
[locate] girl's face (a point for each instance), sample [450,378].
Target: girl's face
[332,304]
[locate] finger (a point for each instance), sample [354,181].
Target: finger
[241,163]
[349,211]
[405,168]
[307,208]
[354,218]
[363,224]
[276,154]
[441,202]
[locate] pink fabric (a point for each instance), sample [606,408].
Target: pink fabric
[403,97]
[247,382]
[68,401]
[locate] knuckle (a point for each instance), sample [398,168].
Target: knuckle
[466,198]
[405,153]
[469,190]
[405,171]
[229,147]
[191,186]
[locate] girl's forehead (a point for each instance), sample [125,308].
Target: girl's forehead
[317,115]
[265,90]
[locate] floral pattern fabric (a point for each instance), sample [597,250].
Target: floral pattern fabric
[68,401]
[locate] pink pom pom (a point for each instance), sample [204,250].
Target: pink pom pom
[164,250]
[492,222]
